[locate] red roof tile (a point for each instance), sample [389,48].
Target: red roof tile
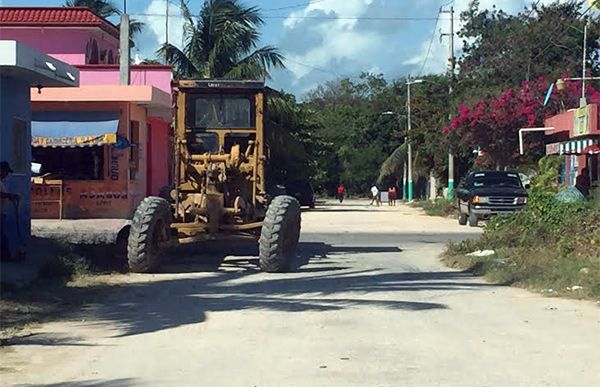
[56,16]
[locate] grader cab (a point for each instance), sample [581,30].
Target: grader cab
[219,189]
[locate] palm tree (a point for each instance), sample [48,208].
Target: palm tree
[394,165]
[103,8]
[106,9]
[222,43]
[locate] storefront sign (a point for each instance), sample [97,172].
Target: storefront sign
[115,155]
[102,195]
[101,139]
[581,124]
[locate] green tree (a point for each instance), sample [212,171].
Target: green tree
[222,43]
[349,121]
[502,50]
[103,8]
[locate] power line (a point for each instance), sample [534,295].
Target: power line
[299,5]
[400,18]
[312,67]
[430,44]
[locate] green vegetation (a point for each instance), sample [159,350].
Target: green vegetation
[107,9]
[221,42]
[439,207]
[549,246]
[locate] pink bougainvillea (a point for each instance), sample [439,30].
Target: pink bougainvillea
[492,124]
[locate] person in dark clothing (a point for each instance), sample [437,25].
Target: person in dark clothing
[582,182]
[5,200]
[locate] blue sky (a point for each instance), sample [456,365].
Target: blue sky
[326,39]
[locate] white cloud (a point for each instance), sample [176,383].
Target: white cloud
[155,18]
[339,38]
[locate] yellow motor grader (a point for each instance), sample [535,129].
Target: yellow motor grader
[219,189]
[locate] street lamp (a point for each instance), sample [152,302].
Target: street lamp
[391,113]
[410,180]
[409,183]
[560,85]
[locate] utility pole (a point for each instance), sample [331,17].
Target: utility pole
[167,24]
[582,101]
[451,65]
[125,50]
[410,179]
[404,173]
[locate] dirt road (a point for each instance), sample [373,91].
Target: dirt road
[373,307]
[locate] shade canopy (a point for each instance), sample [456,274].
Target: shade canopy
[71,129]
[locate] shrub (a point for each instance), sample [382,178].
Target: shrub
[439,207]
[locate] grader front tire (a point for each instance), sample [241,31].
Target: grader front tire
[279,235]
[149,234]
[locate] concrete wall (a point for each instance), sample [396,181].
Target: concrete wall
[66,44]
[14,103]
[159,155]
[150,75]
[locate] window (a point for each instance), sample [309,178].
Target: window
[20,147]
[241,139]
[200,142]
[80,163]
[508,181]
[219,111]
[134,152]
[91,52]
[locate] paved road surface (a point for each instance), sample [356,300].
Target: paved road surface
[373,307]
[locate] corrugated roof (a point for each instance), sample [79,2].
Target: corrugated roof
[54,16]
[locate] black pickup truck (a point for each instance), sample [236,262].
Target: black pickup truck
[487,193]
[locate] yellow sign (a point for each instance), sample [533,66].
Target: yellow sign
[109,138]
[581,125]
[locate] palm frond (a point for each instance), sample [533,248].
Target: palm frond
[394,163]
[136,27]
[257,64]
[221,43]
[104,8]
[182,65]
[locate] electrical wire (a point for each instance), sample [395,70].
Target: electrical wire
[399,18]
[437,19]
[312,67]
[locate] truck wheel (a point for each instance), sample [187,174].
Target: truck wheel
[279,235]
[149,234]
[462,219]
[473,221]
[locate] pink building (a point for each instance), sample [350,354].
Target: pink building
[103,146]
[576,137]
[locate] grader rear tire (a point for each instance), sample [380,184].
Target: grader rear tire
[279,235]
[149,234]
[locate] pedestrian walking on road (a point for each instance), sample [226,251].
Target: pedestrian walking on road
[375,195]
[392,195]
[341,191]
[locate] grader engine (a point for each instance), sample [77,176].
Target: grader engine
[219,189]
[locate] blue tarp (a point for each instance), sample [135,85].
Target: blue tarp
[74,128]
